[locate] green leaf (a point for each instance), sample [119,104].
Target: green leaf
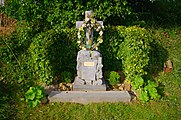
[30,94]
[144,96]
[137,82]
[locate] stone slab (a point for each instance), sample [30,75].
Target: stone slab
[89,87]
[86,97]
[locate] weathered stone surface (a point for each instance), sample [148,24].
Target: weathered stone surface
[89,68]
[86,97]
[89,87]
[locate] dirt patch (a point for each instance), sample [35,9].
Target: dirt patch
[6,30]
[7,24]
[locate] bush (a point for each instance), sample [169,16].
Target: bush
[114,78]
[134,51]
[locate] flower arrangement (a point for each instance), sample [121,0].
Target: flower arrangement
[90,24]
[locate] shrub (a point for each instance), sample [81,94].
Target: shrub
[114,78]
[134,52]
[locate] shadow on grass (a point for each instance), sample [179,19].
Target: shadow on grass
[158,56]
[7,105]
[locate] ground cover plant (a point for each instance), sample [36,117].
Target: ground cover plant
[42,50]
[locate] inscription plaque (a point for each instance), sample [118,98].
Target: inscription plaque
[89,64]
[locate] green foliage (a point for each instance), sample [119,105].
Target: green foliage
[114,78]
[158,53]
[152,91]
[109,49]
[43,45]
[135,54]
[15,58]
[46,14]
[147,90]
[34,96]
[134,50]
[137,82]
[40,63]
[162,13]
[66,77]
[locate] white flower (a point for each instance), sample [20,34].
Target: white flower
[83,25]
[88,25]
[78,41]
[79,36]
[98,28]
[101,33]
[92,25]
[96,48]
[87,19]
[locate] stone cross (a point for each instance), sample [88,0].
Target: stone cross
[2,2]
[89,63]
[89,33]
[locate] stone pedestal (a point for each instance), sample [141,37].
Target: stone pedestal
[89,72]
[86,97]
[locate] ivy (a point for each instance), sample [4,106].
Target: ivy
[134,53]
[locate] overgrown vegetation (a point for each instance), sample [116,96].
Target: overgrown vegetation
[42,49]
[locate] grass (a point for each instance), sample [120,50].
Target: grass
[167,108]
[161,110]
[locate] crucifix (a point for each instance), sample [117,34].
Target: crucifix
[89,32]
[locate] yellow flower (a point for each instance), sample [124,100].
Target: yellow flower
[93,21]
[100,40]
[83,48]
[81,29]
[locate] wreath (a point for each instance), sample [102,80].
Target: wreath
[90,24]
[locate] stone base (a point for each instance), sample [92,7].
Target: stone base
[89,87]
[86,97]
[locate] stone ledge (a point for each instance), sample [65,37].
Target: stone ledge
[86,97]
[89,87]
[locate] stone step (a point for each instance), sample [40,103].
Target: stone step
[86,97]
[89,87]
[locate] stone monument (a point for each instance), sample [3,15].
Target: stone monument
[89,61]
[89,85]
